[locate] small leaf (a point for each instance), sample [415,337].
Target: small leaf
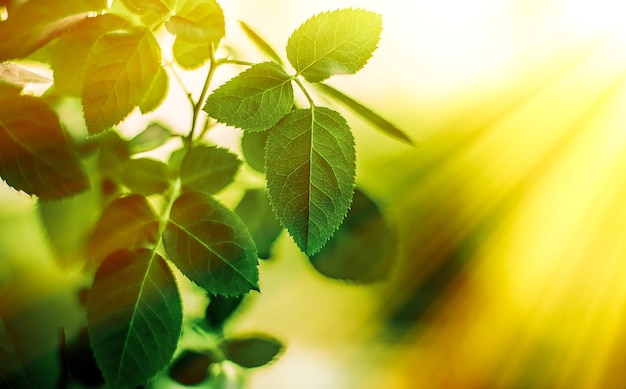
[127,223]
[253,149]
[191,368]
[119,72]
[71,51]
[208,169]
[155,135]
[140,6]
[36,22]
[255,100]
[198,21]
[220,309]
[363,249]
[191,55]
[211,245]
[364,112]
[337,42]
[134,317]
[251,352]
[256,212]
[146,176]
[36,155]
[260,42]
[157,92]
[310,172]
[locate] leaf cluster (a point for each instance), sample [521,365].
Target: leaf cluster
[154,218]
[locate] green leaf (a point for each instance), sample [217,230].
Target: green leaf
[208,169]
[260,43]
[337,42]
[143,6]
[36,22]
[366,113]
[310,172]
[191,368]
[251,352]
[134,316]
[363,249]
[198,21]
[191,55]
[255,100]
[154,136]
[71,51]
[220,309]
[157,92]
[119,72]
[36,155]
[256,212]
[146,176]
[253,149]
[211,245]
[127,223]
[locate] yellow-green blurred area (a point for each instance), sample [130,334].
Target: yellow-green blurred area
[511,270]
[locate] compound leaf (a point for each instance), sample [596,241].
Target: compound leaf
[337,42]
[134,317]
[119,72]
[36,155]
[253,149]
[251,352]
[198,21]
[256,212]
[146,176]
[35,23]
[208,169]
[255,100]
[70,53]
[127,223]
[211,245]
[260,43]
[363,249]
[366,113]
[310,172]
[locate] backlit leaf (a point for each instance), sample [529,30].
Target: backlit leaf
[255,100]
[142,6]
[157,92]
[119,72]
[211,245]
[253,149]
[256,212]
[208,169]
[153,136]
[146,176]
[251,352]
[366,113]
[191,55]
[337,42]
[134,317]
[36,155]
[35,23]
[310,171]
[198,21]
[71,51]
[127,223]
[363,249]
[260,42]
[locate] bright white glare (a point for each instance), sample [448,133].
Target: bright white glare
[596,16]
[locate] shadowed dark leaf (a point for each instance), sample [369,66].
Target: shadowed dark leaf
[220,309]
[253,149]
[251,352]
[191,368]
[256,212]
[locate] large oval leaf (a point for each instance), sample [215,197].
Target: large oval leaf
[363,249]
[211,245]
[134,316]
[310,171]
[337,42]
[36,155]
[255,100]
[119,72]
[198,21]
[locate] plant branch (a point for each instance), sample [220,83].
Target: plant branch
[197,106]
[306,93]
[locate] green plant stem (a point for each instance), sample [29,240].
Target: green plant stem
[197,106]
[306,93]
[236,62]
[180,83]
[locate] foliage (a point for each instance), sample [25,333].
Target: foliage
[156,217]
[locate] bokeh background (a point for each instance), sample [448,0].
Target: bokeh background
[511,266]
